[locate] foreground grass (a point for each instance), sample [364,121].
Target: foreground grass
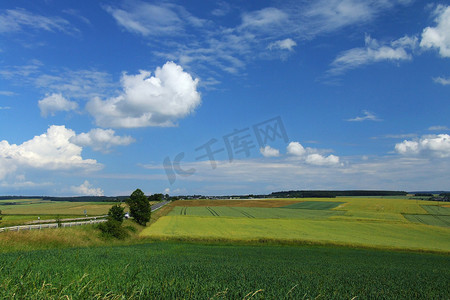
[193,271]
[81,236]
[408,236]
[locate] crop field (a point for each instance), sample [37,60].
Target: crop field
[253,212]
[397,236]
[348,221]
[236,203]
[437,210]
[434,220]
[165,270]
[437,216]
[22,211]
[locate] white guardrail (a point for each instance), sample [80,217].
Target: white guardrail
[50,225]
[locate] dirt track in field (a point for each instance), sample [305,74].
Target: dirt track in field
[235,203]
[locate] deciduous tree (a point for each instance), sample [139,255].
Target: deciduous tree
[140,208]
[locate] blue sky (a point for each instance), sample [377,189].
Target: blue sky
[184,97]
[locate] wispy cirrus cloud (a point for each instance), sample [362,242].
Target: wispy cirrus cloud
[395,136]
[442,80]
[54,103]
[7,93]
[76,84]
[211,47]
[223,8]
[149,19]
[16,20]
[265,19]
[437,128]
[374,51]
[368,116]
[286,44]
[331,15]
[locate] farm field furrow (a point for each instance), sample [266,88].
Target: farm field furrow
[437,210]
[316,205]
[434,220]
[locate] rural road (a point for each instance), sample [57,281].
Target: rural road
[158,205]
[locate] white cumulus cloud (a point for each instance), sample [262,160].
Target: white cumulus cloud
[295,148]
[433,145]
[146,100]
[311,155]
[320,160]
[268,151]
[86,189]
[54,103]
[438,37]
[101,139]
[49,151]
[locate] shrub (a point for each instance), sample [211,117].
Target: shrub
[113,228]
[116,212]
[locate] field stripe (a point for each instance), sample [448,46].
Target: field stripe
[212,211]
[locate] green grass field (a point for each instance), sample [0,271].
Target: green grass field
[316,205]
[192,271]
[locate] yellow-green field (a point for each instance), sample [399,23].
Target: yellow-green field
[27,210]
[363,222]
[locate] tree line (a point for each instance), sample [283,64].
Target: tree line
[334,194]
